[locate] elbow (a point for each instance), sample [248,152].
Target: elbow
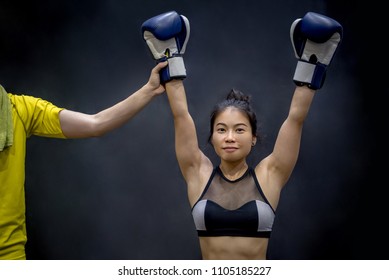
[297,116]
[97,130]
[97,134]
[100,125]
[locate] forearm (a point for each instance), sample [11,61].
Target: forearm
[80,125]
[186,143]
[301,103]
[123,111]
[177,98]
[287,145]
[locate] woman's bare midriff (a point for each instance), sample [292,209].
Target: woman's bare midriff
[233,248]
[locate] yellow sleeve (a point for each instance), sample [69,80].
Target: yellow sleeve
[40,117]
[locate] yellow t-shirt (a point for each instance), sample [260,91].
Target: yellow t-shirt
[31,116]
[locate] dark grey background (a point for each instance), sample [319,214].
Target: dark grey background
[122,196]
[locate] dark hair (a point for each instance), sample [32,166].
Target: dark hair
[237,99]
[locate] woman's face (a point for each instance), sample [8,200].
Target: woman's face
[232,136]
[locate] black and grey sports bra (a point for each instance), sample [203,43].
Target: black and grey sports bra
[233,208]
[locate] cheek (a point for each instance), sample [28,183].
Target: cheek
[214,140]
[248,144]
[217,140]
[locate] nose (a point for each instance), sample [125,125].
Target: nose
[230,136]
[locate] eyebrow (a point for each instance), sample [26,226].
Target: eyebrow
[238,124]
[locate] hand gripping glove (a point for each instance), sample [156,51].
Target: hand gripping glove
[167,35]
[315,39]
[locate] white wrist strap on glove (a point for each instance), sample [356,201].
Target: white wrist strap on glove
[176,67]
[311,74]
[304,72]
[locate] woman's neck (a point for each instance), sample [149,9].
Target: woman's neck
[233,171]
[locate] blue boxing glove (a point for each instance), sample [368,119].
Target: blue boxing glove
[315,39]
[167,35]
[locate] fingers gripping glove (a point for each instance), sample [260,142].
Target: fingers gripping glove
[167,35]
[315,39]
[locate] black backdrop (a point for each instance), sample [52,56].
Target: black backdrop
[122,196]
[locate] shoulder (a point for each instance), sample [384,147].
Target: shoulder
[31,102]
[19,99]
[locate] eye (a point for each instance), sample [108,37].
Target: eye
[240,130]
[220,129]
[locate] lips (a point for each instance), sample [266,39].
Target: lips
[230,149]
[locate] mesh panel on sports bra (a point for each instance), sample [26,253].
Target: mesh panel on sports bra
[232,194]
